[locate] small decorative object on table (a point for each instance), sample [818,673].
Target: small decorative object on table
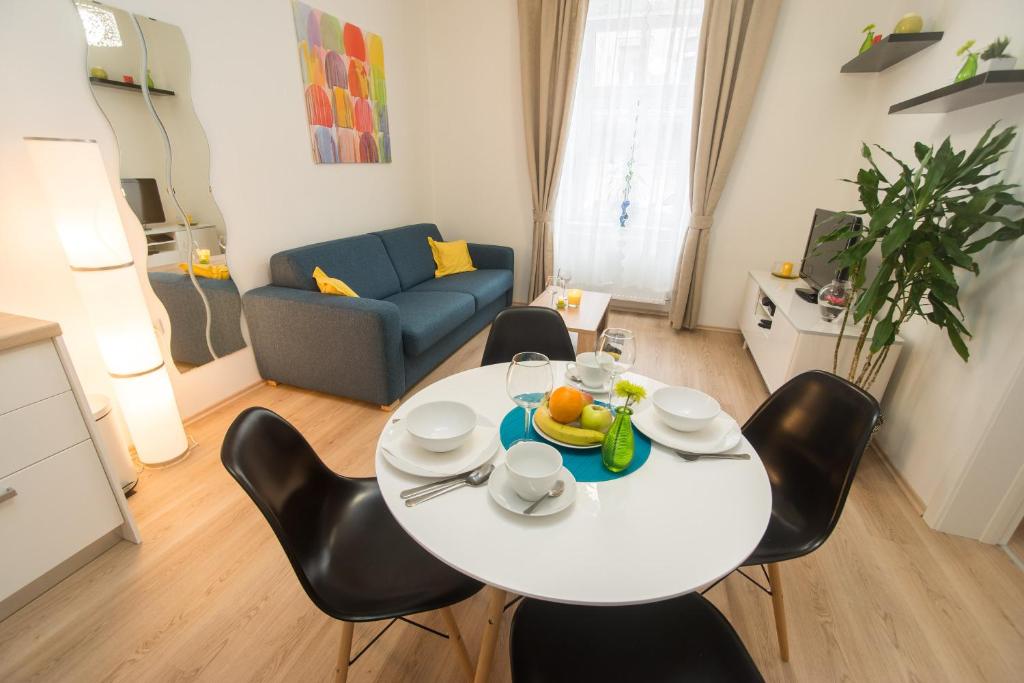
[203,256]
[98,72]
[970,67]
[786,270]
[833,298]
[870,38]
[995,56]
[909,23]
[149,80]
[130,80]
[556,285]
[617,447]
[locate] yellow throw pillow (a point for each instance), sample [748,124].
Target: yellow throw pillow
[332,285]
[450,257]
[213,271]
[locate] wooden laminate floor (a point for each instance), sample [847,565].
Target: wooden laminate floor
[210,596]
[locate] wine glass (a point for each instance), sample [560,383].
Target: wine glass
[620,344]
[529,377]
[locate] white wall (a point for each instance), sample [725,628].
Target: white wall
[478,148]
[248,95]
[940,409]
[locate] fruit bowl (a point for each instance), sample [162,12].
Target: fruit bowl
[585,432]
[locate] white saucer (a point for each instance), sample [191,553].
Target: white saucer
[402,452]
[721,435]
[504,495]
[593,391]
[551,439]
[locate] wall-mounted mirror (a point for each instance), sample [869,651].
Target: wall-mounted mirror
[139,71]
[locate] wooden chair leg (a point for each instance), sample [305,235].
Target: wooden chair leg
[455,638]
[391,406]
[489,640]
[775,578]
[344,652]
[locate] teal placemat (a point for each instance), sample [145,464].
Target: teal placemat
[585,465]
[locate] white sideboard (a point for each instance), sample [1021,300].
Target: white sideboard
[60,505]
[786,335]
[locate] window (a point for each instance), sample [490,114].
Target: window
[622,203]
[100,26]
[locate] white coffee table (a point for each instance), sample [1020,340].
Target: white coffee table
[669,528]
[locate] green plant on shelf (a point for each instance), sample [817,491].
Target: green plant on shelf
[996,49]
[929,220]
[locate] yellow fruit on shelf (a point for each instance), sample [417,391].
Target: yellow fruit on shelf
[576,436]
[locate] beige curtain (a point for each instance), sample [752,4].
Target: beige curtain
[550,39]
[734,39]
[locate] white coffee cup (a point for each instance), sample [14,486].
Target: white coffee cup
[593,369]
[533,468]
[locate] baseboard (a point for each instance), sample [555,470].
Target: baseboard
[203,413]
[26,594]
[911,495]
[716,328]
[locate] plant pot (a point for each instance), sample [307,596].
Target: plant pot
[1000,63]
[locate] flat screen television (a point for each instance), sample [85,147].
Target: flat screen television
[143,196]
[817,268]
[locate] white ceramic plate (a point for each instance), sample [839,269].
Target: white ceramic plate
[593,391]
[504,495]
[721,435]
[555,441]
[399,449]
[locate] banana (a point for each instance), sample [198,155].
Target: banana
[577,436]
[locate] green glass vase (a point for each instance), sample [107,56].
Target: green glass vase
[968,70]
[617,447]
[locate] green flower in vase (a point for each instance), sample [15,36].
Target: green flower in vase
[617,447]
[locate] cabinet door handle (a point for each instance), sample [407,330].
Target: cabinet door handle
[7,494]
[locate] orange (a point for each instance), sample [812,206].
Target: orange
[566,404]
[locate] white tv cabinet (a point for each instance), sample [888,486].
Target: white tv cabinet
[795,339]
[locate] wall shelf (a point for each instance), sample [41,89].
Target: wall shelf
[992,85]
[118,85]
[894,48]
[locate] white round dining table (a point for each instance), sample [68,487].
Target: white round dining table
[670,527]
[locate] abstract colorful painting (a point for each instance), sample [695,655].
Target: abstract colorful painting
[346,95]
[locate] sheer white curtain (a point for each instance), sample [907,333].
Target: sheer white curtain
[622,204]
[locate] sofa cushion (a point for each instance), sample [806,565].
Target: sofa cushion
[410,252]
[361,261]
[486,286]
[428,317]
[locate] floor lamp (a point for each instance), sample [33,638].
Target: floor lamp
[77,190]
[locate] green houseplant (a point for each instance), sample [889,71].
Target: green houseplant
[929,220]
[995,55]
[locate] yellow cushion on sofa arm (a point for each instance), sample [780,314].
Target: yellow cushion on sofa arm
[331,285]
[450,257]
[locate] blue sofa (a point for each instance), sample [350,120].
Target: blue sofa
[403,325]
[188,316]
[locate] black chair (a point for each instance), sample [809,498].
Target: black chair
[350,555]
[810,435]
[527,328]
[682,639]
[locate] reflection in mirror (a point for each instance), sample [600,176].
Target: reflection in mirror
[140,76]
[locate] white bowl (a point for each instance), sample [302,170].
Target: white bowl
[441,426]
[685,409]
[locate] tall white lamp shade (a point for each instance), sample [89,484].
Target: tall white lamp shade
[75,185]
